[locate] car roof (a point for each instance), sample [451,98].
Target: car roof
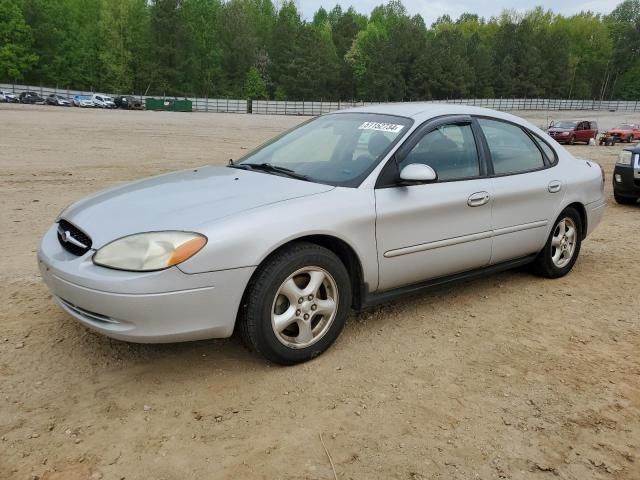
[421,111]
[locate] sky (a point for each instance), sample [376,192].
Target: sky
[431,10]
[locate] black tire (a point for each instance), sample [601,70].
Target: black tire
[624,200]
[544,264]
[255,318]
[572,141]
[630,139]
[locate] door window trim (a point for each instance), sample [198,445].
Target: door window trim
[390,173]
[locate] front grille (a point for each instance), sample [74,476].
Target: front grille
[72,239]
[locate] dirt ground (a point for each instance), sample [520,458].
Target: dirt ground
[510,376]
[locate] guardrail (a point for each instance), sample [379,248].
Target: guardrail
[285,107]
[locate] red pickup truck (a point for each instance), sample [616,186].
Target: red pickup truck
[572,131]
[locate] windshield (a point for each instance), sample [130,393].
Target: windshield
[338,149]
[565,125]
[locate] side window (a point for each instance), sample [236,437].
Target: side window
[512,151]
[450,150]
[548,151]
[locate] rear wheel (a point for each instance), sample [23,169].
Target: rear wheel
[296,305]
[563,246]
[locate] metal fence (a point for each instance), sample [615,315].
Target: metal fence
[274,107]
[216,105]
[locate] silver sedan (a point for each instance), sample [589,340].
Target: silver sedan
[345,211]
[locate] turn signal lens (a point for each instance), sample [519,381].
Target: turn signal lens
[187,250]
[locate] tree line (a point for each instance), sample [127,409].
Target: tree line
[252,49]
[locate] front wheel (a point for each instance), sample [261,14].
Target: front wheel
[296,304]
[630,139]
[563,246]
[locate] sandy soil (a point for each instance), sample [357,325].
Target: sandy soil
[511,376]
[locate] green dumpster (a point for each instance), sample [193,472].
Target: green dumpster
[168,105]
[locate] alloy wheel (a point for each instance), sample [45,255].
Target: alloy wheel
[304,307]
[563,242]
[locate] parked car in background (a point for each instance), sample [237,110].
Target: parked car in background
[8,97]
[31,98]
[102,101]
[128,102]
[283,243]
[572,131]
[59,100]
[83,101]
[626,176]
[627,132]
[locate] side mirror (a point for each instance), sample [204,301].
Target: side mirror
[416,173]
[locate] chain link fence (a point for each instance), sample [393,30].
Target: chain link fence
[274,107]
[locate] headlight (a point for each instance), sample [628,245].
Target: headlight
[624,158]
[145,252]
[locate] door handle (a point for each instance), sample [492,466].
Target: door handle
[555,186]
[478,199]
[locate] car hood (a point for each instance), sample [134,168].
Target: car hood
[181,201]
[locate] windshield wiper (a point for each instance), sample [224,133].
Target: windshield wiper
[269,168]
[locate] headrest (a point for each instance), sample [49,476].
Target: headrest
[378,143]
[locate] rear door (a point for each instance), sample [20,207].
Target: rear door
[437,229]
[525,189]
[584,131]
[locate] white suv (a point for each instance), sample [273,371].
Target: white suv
[102,101]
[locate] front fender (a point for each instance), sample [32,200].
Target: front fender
[247,238]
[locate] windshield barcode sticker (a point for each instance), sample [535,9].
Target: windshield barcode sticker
[381,127]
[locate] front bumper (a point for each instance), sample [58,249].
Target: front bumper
[626,180]
[560,138]
[152,307]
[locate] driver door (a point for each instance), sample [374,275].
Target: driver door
[437,229]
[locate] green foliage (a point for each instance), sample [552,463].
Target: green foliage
[254,49]
[254,86]
[16,42]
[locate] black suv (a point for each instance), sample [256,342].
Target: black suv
[626,176]
[128,102]
[31,97]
